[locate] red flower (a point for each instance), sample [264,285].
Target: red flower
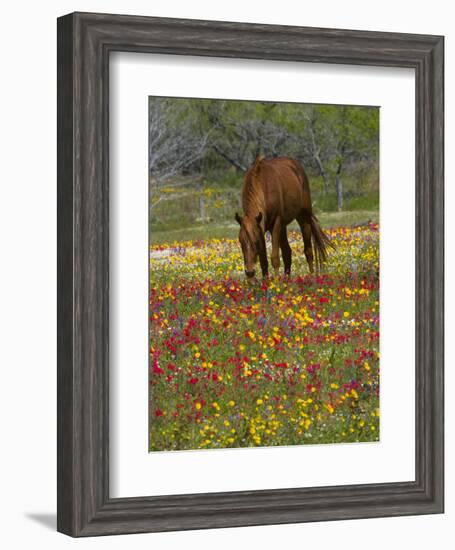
[156,369]
[158,412]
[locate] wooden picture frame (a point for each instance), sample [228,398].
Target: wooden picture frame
[84,43]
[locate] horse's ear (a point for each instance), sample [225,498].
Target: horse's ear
[238,218]
[256,165]
[259,218]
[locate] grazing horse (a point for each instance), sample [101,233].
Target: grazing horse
[275,192]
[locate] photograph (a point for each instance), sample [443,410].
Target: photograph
[264,318]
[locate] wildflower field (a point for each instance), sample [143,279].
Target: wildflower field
[286,361]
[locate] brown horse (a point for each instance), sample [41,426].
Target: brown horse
[275,192]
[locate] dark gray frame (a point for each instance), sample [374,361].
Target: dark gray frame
[84,44]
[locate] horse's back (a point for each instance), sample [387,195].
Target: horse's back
[286,187]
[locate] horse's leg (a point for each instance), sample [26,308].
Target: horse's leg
[264,262]
[286,251]
[305,228]
[275,256]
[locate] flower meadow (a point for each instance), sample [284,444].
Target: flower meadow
[283,361]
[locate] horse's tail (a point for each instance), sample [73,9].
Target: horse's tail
[321,242]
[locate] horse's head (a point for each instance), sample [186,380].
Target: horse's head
[252,241]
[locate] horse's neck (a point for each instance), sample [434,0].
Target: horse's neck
[254,202]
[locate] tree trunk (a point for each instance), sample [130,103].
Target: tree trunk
[325,180]
[339,188]
[234,162]
[202,214]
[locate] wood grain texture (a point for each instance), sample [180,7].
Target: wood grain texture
[65,303]
[84,43]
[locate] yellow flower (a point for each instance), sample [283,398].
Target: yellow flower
[231,403]
[259,401]
[346,314]
[197,405]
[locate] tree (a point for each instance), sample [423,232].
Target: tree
[174,145]
[335,136]
[242,130]
[355,131]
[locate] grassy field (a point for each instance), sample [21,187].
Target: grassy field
[279,362]
[230,229]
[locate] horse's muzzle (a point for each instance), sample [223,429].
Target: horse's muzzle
[249,274]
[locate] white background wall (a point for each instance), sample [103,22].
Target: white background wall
[28,271]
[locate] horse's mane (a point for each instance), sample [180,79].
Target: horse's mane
[253,198]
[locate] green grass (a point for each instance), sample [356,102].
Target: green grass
[230,229]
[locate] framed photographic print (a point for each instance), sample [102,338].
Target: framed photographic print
[250,253]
